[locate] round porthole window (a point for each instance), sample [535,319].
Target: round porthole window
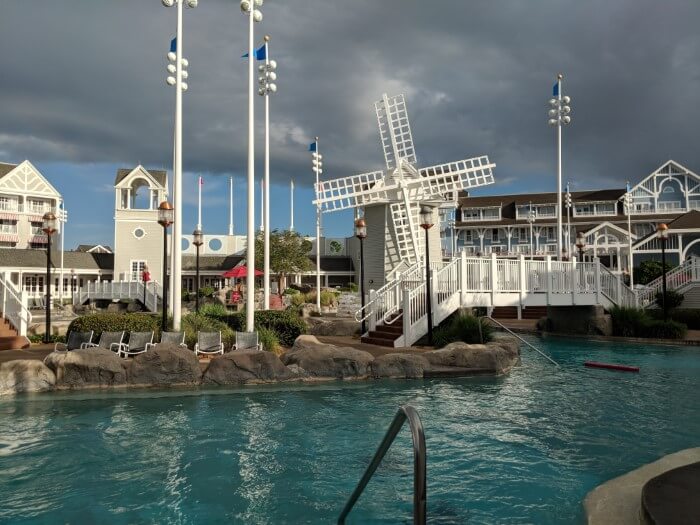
[185,244]
[215,245]
[139,233]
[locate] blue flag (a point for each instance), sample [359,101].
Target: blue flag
[173,45]
[312,146]
[555,90]
[259,53]
[628,187]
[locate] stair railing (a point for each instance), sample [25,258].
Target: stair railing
[386,301]
[687,272]
[14,307]
[405,412]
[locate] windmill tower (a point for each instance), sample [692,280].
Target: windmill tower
[392,199]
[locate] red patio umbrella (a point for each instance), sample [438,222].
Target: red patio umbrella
[239,271]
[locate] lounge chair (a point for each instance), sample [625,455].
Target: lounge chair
[138,344]
[209,343]
[75,340]
[172,338]
[247,341]
[108,340]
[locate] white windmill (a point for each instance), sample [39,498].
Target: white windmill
[392,200]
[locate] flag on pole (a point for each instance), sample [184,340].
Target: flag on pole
[627,187]
[201,181]
[312,146]
[555,90]
[260,53]
[173,45]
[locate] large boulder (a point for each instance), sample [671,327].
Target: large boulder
[324,360]
[89,367]
[401,366]
[165,364]
[25,375]
[499,355]
[246,367]
[332,326]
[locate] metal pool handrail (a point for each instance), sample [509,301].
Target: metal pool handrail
[405,412]
[523,340]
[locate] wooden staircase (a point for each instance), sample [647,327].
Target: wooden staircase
[385,334]
[9,338]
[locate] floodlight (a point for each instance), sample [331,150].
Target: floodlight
[184,86]
[245,6]
[184,74]
[257,16]
[184,62]
[272,75]
[171,81]
[171,69]
[566,119]
[192,3]
[272,64]
[172,56]
[566,99]
[168,3]
[553,122]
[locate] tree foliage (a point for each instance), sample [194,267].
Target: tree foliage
[649,270]
[289,253]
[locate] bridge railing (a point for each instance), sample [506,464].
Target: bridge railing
[115,290]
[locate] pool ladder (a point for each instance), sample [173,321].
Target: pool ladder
[405,412]
[511,332]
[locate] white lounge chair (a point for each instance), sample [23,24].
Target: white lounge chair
[108,341]
[209,343]
[138,344]
[173,338]
[247,341]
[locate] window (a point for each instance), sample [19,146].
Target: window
[8,204]
[470,214]
[38,206]
[494,234]
[468,235]
[668,189]
[33,284]
[139,233]
[136,270]
[35,228]
[7,226]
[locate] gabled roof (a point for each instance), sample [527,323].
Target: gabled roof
[26,179]
[606,224]
[93,248]
[6,168]
[675,168]
[540,198]
[160,176]
[24,258]
[687,221]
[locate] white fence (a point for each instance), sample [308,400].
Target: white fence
[14,305]
[115,290]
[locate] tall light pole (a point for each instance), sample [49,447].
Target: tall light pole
[426,222]
[559,116]
[531,220]
[627,200]
[254,15]
[317,167]
[178,69]
[291,205]
[662,232]
[361,233]
[568,202]
[166,216]
[49,228]
[197,240]
[267,86]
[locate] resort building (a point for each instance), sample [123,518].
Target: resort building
[510,225]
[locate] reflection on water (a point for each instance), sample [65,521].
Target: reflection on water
[524,448]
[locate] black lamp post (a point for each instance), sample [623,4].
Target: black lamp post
[165,219]
[426,222]
[198,240]
[662,231]
[361,233]
[580,244]
[49,228]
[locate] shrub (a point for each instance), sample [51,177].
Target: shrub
[687,316]
[185,295]
[269,340]
[192,323]
[649,270]
[628,322]
[291,291]
[216,310]
[298,299]
[462,327]
[659,329]
[328,298]
[673,299]
[53,338]
[353,287]
[113,322]
[207,291]
[286,324]
[303,288]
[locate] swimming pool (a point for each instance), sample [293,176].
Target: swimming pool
[525,448]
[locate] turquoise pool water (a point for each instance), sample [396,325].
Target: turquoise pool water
[525,448]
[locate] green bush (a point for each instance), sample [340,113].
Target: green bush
[298,299]
[185,295]
[462,327]
[628,322]
[659,329]
[291,291]
[286,324]
[673,299]
[353,287]
[649,270]
[207,291]
[113,322]
[328,298]
[39,338]
[687,316]
[216,310]
[269,340]
[193,323]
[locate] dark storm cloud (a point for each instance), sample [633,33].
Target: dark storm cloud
[83,81]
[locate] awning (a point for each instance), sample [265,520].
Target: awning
[8,216]
[39,239]
[35,218]
[9,237]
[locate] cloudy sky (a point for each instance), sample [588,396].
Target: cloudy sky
[83,93]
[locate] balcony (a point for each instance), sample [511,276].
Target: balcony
[481,214]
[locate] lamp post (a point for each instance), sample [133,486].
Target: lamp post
[531,221]
[568,203]
[177,69]
[165,219]
[145,277]
[580,244]
[254,15]
[361,233]
[662,232]
[317,167]
[49,228]
[197,240]
[267,86]
[73,278]
[426,222]
[559,116]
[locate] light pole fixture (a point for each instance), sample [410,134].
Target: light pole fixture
[361,233]
[662,232]
[531,221]
[580,244]
[426,222]
[73,278]
[145,277]
[49,228]
[266,82]
[197,240]
[248,8]
[166,216]
[558,117]
[317,167]
[177,66]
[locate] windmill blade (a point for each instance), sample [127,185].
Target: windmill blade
[405,222]
[445,179]
[395,131]
[350,192]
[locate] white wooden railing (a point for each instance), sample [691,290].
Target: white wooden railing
[680,277]
[14,305]
[115,290]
